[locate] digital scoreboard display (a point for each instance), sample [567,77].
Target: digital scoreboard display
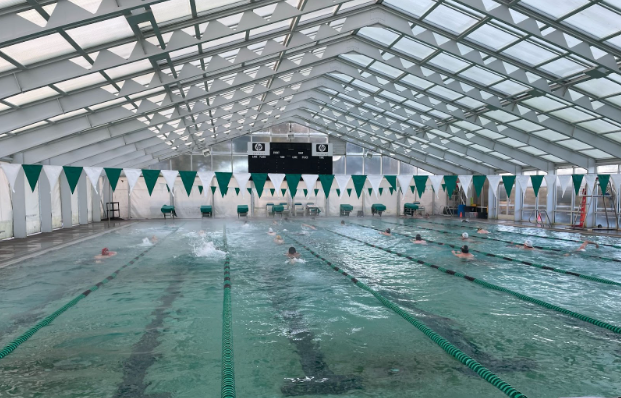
[289,158]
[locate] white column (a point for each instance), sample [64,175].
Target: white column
[96,203]
[45,197]
[82,200]
[65,201]
[492,204]
[519,202]
[19,206]
[591,221]
[551,203]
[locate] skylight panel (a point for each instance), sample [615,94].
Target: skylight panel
[501,115]
[357,58]
[5,65]
[413,48]
[271,27]
[171,10]
[492,37]
[381,35]
[530,53]
[317,14]
[385,69]
[128,69]
[554,8]
[68,115]
[31,96]
[415,7]
[543,104]
[39,49]
[354,3]
[563,67]
[550,135]
[365,85]
[596,21]
[80,82]
[444,92]
[481,75]
[448,62]
[416,81]
[392,96]
[597,154]
[450,19]
[600,87]
[106,31]
[574,144]
[9,3]
[510,87]
[571,115]
[469,102]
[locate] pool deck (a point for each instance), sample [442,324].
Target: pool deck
[13,251]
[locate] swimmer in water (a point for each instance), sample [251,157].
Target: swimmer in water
[292,255]
[309,226]
[386,232]
[465,253]
[342,222]
[465,236]
[419,240]
[201,233]
[583,247]
[482,231]
[105,253]
[279,240]
[271,232]
[154,239]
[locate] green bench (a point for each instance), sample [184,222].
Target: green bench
[410,208]
[377,208]
[168,210]
[312,209]
[346,209]
[242,211]
[206,211]
[278,209]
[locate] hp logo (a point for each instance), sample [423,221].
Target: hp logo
[258,147]
[322,148]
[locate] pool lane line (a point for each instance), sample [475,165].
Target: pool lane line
[540,266]
[585,318]
[455,352]
[227,385]
[12,346]
[534,236]
[510,242]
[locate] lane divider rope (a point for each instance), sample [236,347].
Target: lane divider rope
[510,242]
[227,386]
[540,266]
[613,328]
[479,369]
[12,346]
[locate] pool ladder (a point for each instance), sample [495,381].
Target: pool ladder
[541,216]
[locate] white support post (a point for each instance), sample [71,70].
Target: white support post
[65,201]
[591,220]
[492,204]
[519,202]
[82,200]
[45,197]
[96,203]
[19,206]
[551,201]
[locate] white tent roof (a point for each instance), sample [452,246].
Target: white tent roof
[460,87]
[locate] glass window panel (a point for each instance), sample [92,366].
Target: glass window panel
[353,149]
[386,69]
[222,163]
[413,48]
[367,86]
[418,106]
[338,164]
[574,144]
[371,165]
[181,162]
[354,164]
[171,10]
[469,102]
[554,8]
[416,82]
[530,53]
[480,75]
[596,21]
[392,96]
[389,165]
[597,154]
[600,87]
[222,147]
[101,32]
[525,125]
[357,58]
[448,62]
[381,35]
[599,126]
[550,135]
[240,164]
[81,82]
[572,115]
[406,168]
[414,7]
[510,87]
[39,49]
[563,67]
[204,5]
[492,37]
[501,115]
[543,103]
[444,92]
[31,96]
[450,19]
[240,144]
[128,69]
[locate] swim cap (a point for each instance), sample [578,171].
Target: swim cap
[270,230]
[292,250]
[418,237]
[464,249]
[387,230]
[528,243]
[464,235]
[105,251]
[278,237]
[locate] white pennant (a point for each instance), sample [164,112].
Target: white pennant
[436,183]
[342,181]
[310,180]
[494,181]
[565,180]
[404,182]
[277,180]
[590,181]
[206,177]
[616,182]
[523,181]
[550,181]
[93,174]
[52,173]
[465,180]
[242,180]
[132,177]
[170,176]
[11,170]
[375,181]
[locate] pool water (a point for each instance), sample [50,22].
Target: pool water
[302,329]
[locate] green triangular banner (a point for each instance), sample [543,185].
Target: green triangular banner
[200,189]
[577,179]
[223,179]
[272,190]
[536,181]
[359,181]
[283,191]
[259,182]
[444,187]
[370,191]
[249,190]
[292,182]
[338,192]
[451,182]
[326,183]
[603,182]
[150,178]
[305,192]
[508,181]
[32,171]
[73,176]
[113,177]
[478,182]
[237,190]
[381,190]
[316,192]
[349,192]
[392,180]
[392,190]
[213,190]
[412,187]
[421,183]
[188,178]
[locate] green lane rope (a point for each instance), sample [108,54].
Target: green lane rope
[540,266]
[455,352]
[534,236]
[573,314]
[12,346]
[227,386]
[510,242]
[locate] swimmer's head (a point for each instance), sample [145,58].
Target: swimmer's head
[464,249]
[387,230]
[278,237]
[270,230]
[528,243]
[479,229]
[418,237]
[464,235]
[342,222]
[292,250]
[105,251]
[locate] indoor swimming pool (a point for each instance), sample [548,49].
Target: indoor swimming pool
[397,320]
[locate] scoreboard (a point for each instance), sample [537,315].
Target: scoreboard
[289,158]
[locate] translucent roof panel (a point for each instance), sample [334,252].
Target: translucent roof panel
[450,19]
[413,48]
[529,53]
[415,7]
[101,32]
[554,8]
[492,37]
[31,96]
[596,21]
[384,36]
[38,49]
